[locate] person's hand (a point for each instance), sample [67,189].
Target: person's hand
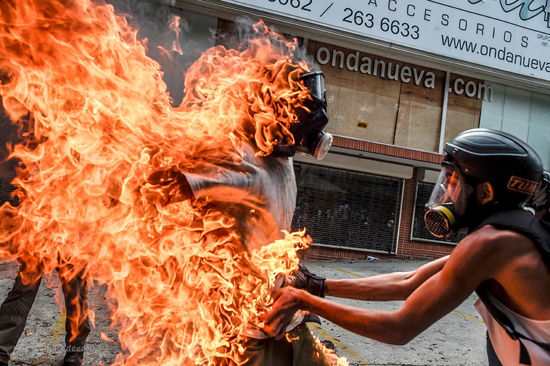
[168,186]
[305,280]
[286,302]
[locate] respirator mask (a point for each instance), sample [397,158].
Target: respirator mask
[447,203]
[309,138]
[308,133]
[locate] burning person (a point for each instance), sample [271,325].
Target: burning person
[15,308]
[182,212]
[259,194]
[258,190]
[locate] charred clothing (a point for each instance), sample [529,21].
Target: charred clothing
[17,305]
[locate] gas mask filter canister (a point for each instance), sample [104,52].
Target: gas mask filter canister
[322,145]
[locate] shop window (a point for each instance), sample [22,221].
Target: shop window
[419,231]
[522,113]
[347,209]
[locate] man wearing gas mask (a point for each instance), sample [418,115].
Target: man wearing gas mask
[487,178]
[259,193]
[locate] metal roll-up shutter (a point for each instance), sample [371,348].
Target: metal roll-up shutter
[8,135]
[7,174]
[346,208]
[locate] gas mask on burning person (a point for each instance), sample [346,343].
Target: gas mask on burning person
[309,137]
[447,204]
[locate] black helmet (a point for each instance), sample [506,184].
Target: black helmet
[511,166]
[513,169]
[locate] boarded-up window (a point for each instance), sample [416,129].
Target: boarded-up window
[380,99]
[463,107]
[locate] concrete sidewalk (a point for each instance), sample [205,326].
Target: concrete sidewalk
[457,339]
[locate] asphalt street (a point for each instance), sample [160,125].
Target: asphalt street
[456,339]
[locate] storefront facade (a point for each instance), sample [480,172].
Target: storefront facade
[403,78]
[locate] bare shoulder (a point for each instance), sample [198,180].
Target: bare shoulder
[489,232]
[513,267]
[495,240]
[486,252]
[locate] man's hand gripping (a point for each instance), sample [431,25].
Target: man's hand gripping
[288,300]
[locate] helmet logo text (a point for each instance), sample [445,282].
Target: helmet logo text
[522,185]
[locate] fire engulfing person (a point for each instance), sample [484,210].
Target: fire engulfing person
[183,212]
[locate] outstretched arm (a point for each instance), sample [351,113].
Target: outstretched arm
[233,178]
[473,261]
[220,183]
[385,287]
[169,186]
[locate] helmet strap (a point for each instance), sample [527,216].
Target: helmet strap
[480,205]
[476,212]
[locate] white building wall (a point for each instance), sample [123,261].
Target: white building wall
[522,113]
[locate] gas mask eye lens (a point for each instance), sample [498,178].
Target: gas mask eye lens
[451,187]
[315,83]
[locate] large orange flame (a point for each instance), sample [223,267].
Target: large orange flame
[98,123]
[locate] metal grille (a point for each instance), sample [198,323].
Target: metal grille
[420,232]
[347,209]
[7,173]
[8,134]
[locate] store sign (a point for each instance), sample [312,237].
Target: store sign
[510,35]
[356,61]
[471,89]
